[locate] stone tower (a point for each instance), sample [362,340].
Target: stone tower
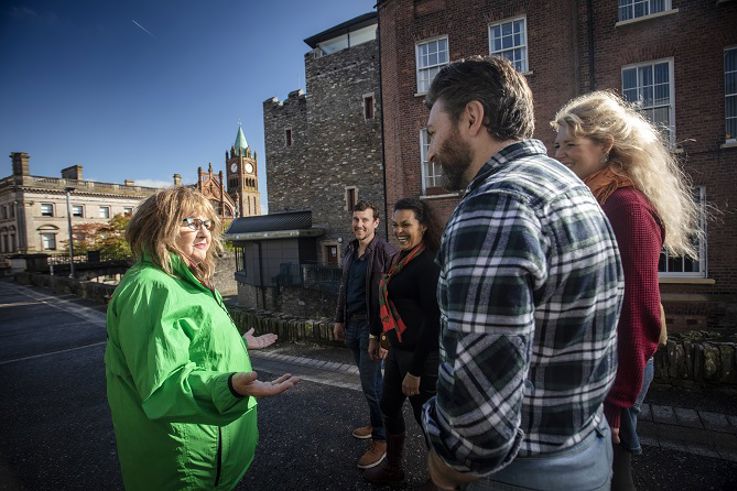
[242,168]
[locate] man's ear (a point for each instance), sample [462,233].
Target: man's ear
[474,117]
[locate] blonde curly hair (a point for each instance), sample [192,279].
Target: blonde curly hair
[639,150]
[157,222]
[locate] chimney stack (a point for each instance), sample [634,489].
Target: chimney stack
[129,182]
[72,172]
[177,179]
[20,163]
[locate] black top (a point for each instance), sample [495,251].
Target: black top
[355,288]
[413,292]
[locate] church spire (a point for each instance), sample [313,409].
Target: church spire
[240,142]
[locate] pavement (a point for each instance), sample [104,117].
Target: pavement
[57,434]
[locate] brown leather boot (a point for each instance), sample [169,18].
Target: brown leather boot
[390,471]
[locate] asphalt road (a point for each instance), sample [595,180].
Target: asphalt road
[56,433]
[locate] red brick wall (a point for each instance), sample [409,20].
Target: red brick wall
[558,48]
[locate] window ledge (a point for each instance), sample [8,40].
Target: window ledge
[420,94]
[685,280]
[527,73]
[440,196]
[645,17]
[729,144]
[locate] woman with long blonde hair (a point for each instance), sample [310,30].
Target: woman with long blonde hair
[628,165]
[179,382]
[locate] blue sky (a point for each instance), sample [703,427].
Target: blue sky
[145,89]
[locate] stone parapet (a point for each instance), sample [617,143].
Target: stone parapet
[287,327]
[696,359]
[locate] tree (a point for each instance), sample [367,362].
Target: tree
[108,238]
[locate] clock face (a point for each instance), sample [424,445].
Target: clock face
[249,168]
[233,167]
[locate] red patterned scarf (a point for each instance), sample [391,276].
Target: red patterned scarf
[390,318]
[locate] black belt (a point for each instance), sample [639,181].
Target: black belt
[360,316]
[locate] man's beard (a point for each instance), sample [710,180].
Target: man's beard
[455,158]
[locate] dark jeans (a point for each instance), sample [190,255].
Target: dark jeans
[357,338]
[396,366]
[629,439]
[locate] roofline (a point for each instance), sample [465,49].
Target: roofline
[355,23]
[274,234]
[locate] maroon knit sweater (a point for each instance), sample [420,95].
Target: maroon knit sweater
[640,239]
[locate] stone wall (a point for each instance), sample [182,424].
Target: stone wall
[288,328]
[97,292]
[223,280]
[334,147]
[302,302]
[697,358]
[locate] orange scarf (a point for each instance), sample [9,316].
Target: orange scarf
[604,182]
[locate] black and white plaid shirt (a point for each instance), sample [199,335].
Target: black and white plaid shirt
[530,291]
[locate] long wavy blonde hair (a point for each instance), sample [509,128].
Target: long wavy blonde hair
[639,150]
[157,223]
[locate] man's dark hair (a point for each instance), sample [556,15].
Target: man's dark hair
[493,81]
[365,205]
[425,215]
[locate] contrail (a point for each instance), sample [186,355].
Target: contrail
[143,28]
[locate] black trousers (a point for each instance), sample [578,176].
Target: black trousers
[396,365]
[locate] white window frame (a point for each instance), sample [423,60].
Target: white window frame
[53,212]
[525,66]
[105,215]
[702,246]
[429,170]
[424,69]
[81,207]
[128,211]
[671,89]
[50,237]
[667,7]
[733,139]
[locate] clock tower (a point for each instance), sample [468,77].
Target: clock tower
[242,171]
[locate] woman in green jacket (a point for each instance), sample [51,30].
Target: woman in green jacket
[179,381]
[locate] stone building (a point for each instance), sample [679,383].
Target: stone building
[324,154]
[677,58]
[33,209]
[323,148]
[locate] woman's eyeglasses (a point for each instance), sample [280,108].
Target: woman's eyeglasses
[195,223]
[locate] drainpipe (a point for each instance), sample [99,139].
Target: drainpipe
[592,65]
[261,276]
[381,124]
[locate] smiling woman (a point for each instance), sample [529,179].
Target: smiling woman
[179,382]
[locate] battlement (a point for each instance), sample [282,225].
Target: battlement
[294,97]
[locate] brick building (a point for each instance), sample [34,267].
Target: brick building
[33,209]
[239,195]
[677,58]
[323,148]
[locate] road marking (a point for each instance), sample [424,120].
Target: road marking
[52,353]
[87,314]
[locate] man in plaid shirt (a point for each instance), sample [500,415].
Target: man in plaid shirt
[530,291]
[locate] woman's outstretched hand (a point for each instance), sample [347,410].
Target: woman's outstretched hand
[259,342]
[247,384]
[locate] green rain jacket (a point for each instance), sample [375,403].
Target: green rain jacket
[170,352]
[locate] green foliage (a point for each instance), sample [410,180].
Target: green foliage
[108,238]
